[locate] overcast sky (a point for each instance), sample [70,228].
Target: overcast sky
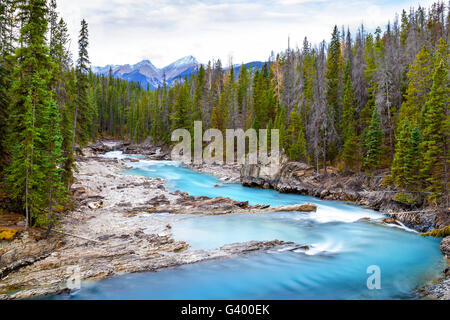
[162,31]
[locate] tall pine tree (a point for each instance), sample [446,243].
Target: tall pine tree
[435,135]
[31,110]
[373,142]
[81,118]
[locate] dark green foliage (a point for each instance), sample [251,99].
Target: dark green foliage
[180,114]
[4,84]
[373,141]
[334,77]
[435,134]
[350,152]
[332,114]
[296,138]
[34,137]
[401,150]
[393,90]
[82,129]
[52,162]
[414,160]
[348,107]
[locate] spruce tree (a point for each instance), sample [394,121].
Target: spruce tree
[199,95]
[3,84]
[63,85]
[81,118]
[297,146]
[414,160]
[280,124]
[180,115]
[373,141]
[5,76]
[269,133]
[242,92]
[333,76]
[350,151]
[435,135]
[30,102]
[258,100]
[67,120]
[370,72]
[52,161]
[401,150]
[348,107]
[419,85]
[298,149]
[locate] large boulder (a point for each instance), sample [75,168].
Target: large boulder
[99,147]
[445,246]
[264,176]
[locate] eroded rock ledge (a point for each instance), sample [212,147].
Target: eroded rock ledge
[112,231]
[296,177]
[106,230]
[49,276]
[187,204]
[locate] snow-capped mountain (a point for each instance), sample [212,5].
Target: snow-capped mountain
[147,74]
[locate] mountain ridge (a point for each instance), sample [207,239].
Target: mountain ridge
[148,75]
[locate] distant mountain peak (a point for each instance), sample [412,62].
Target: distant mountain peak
[144,63]
[145,73]
[184,61]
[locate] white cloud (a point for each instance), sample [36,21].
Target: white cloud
[127,31]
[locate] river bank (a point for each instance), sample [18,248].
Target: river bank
[106,230]
[365,191]
[114,230]
[300,178]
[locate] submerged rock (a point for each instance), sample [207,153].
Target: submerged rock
[296,207]
[391,221]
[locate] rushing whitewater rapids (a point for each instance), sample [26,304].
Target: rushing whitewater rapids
[338,243]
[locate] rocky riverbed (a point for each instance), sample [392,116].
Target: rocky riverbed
[115,227]
[369,192]
[112,230]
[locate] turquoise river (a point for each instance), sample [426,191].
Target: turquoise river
[343,247]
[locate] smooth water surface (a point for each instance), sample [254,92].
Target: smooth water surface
[342,247]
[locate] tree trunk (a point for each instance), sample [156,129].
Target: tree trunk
[27,213]
[324,151]
[317,162]
[446,173]
[75,123]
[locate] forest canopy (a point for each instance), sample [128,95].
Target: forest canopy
[364,102]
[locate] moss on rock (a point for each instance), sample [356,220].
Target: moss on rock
[438,233]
